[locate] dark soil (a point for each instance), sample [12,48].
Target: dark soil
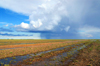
[87,57]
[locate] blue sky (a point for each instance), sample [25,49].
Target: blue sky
[50,19]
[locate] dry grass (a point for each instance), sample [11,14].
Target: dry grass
[15,41]
[28,45]
[34,48]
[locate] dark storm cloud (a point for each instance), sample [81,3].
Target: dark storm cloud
[91,18]
[59,31]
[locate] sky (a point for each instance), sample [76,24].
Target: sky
[49,19]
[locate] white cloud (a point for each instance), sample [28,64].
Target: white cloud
[6,25]
[86,35]
[88,31]
[67,28]
[2,33]
[46,14]
[36,24]
[89,35]
[24,25]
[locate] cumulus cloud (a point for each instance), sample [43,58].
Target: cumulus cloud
[23,25]
[46,14]
[56,16]
[36,24]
